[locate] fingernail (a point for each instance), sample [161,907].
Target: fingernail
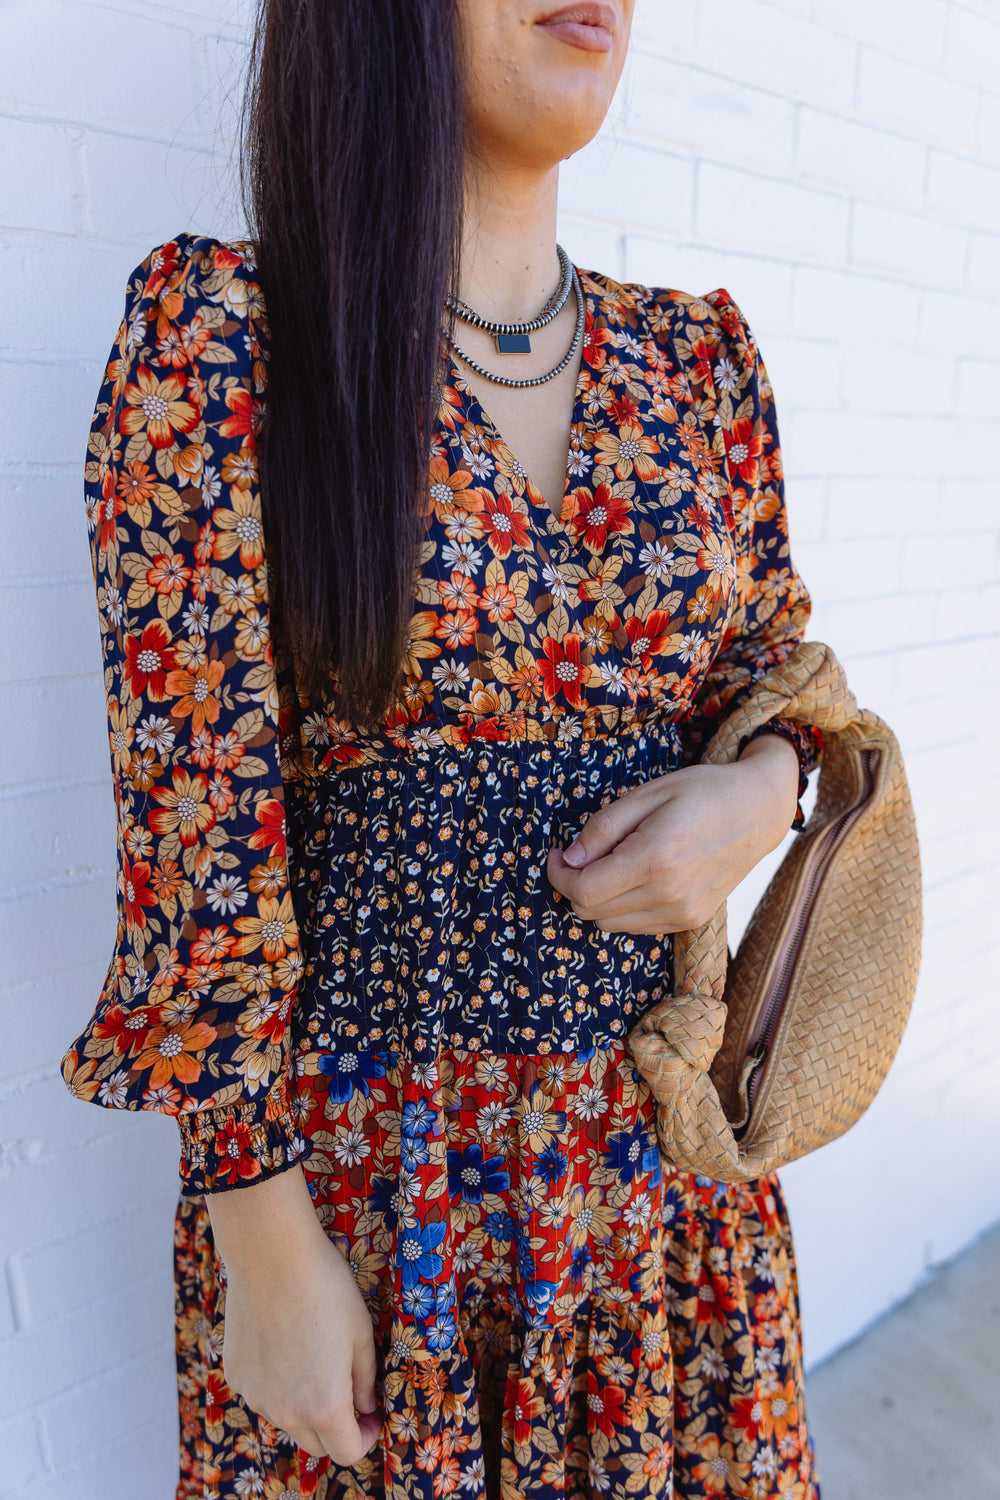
[575,854]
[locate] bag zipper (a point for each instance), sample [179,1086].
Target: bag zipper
[777,992]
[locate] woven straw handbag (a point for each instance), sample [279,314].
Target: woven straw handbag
[756,1060]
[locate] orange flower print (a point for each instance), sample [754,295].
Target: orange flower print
[598,515]
[781,1410]
[240,528]
[445,488]
[158,407]
[136,892]
[457,628]
[719,1472]
[184,808]
[184,345]
[562,671]
[743,449]
[169,1052]
[168,575]
[716,559]
[121,736]
[149,659]
[628,450]
[79,1077]
[499,602]
[196,693]
[272,929]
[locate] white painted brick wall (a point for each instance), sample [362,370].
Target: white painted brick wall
[837,167]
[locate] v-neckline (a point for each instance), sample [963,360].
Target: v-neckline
[480,417]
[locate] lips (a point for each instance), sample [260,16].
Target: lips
[589,25]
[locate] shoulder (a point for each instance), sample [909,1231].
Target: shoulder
[691,324]
[193,301]
[193,326]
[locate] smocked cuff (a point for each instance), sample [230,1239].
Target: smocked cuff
[240,1145]
[806,740]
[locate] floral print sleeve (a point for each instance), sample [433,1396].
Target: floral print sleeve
[728,377]
[192,1019]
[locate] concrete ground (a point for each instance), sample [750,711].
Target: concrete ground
[911,1410]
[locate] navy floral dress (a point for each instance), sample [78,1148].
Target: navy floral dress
[342,949]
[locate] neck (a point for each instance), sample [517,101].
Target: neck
[509,262]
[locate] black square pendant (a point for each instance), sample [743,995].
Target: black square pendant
[512,343]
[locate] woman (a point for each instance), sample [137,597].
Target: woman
[395,887]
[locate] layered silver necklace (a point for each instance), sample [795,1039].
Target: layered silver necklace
[515,338]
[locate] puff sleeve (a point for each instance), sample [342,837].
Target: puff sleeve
[772,603]
[193,1017]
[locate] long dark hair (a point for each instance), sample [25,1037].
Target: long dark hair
[351,166]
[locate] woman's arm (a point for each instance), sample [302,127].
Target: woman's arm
[664,856]
[298,1343]
[193,1016]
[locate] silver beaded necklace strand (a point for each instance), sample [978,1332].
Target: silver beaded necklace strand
[513,338]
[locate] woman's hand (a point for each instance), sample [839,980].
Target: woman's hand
[665,855]
[298,1343]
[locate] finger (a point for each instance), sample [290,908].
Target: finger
[607,826]
[363,1375]
[640,923]
[611,878]
[344,1438]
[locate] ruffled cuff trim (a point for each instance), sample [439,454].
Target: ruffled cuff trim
[239,1145]
[807,742]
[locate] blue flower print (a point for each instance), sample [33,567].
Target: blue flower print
[500,1225]
[416,1253]
[348,1071]
[471,1174]
[550,1164]
[581,1260]
[625,1152]
[418,1118]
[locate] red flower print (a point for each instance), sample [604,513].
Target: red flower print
[598,515]
[649,637]
[562,670]
[234,1148]
[604,1404]
[110,508]
[526,1407]
[743,449]
[703,352]
[750,1415]
[126,1029]
[240,424]
[136,892]
[148,660]
[270,814]
[157,406]
[217,1395]
[184,808]
[503,526]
